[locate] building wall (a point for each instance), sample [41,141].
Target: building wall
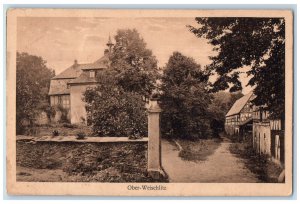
[57,116]
[246,112]
[277,137]
[62,100]
[269,141]
[277,145]
[232,130]
[231,125]
[262,138]
[78,111]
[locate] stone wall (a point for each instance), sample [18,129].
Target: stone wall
[83,162]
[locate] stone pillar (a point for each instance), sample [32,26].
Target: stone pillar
[154,145]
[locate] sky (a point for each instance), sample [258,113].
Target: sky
[61,40]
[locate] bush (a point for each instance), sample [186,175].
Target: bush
[49,110]
[81,136]
[113,111]
[64,114]
[135,137]
[32,131]
[68,125]
[55,133]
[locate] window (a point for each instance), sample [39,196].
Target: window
[59,100]
[92,74]
[55,100]
[260,115]
[63,100]
[66,101]
[51,100]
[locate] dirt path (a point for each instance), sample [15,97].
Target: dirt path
[220,167]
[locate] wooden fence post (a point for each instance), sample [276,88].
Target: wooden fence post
[154,145]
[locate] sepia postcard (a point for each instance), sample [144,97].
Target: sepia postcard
[111,102]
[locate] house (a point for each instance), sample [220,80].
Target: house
[268,135]
[238,121]
[67,88]
[245,119]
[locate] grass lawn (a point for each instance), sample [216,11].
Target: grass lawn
[260,165]
[198,150]
[82,162]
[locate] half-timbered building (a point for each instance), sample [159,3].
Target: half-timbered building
[238,121]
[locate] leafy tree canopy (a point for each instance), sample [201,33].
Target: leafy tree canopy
[134,63]
[184,98]
[114,112]
[33,81]
[258,43]
[221,103]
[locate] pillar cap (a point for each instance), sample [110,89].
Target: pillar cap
[154,107]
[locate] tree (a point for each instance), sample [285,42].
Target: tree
[221,103]
[114,112]
[135,65]
[33,81]
[184,99]
[257,43]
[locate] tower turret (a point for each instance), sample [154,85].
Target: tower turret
[109,44]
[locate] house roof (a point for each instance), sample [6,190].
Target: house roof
[102,63]
[71,72]
[76,69]
[239,104]
[77,74]
[83,78]
[58,87]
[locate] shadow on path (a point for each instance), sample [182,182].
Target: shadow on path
[220,167]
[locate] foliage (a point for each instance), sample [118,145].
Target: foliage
[184,99]
[32,130]
[64,114]
[135,65]
[68,125]
[113,111]
[64,129]
[256,43]
[55,133]
[80,135]
[260,164]
[50,110]
[102,162]
[135,137]
[222,101]
[115,107]
[33,81]
[198,150]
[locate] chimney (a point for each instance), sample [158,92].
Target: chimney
[106,52]
[109,44]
